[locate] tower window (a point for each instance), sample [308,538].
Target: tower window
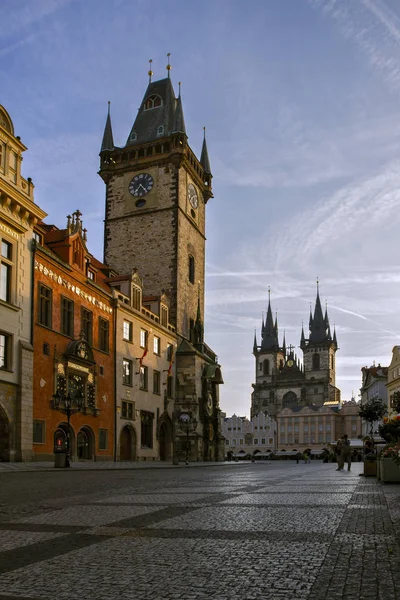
[191,269]
[316,362]
[133,136]
[152,102]
[266,367]
[160,130]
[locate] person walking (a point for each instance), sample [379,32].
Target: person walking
[338,452]
[345,454]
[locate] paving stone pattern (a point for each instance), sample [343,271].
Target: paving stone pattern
[276,531]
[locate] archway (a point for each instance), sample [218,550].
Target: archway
[4,437]
[127,443]
[84,444]
[60,438]
[165,440]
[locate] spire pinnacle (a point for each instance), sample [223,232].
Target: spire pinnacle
[169,67]
[204,160]
[179,121]
[150,72]
[108,141]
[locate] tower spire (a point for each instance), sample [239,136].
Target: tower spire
[179,121]
[108,141]
[319,324]
[255,343]
[204,160]
[198,325]
[270,337]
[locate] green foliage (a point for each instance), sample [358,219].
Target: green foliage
[390,431]
[373,410]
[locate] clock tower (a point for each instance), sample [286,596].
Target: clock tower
[156,196]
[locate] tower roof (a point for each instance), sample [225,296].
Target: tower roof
[157,113]
[204,160]
[269,339]
[108,141]
[319,324]
[179,121]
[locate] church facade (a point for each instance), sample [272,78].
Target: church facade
[156,196]
[281,379]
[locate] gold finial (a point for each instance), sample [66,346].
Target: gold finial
[168,65]
[179,83]
[150,72]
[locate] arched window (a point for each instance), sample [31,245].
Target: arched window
[152,102]
[289,399]
[191,268]
[266,367]
[160,130]
[133,137]
[316,362]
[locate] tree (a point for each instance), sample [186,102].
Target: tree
[373,410]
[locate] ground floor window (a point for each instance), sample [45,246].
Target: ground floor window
[38,432]
[103,439]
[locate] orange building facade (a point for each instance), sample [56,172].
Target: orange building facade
[73,337]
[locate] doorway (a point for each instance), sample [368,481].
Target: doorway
[127,444]
[84,444]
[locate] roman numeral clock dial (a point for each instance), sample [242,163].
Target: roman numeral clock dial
[141,185]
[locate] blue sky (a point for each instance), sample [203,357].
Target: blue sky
[301,103]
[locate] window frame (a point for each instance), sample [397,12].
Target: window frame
[143,378]
[67,316]
[8,263]
[43,431]
[191,269]
[156,382]
[146,429]
[156,345]
[127,377]
[144,338]
[6,354]
[104,335]
[45,306]
[130,330]
[87,324]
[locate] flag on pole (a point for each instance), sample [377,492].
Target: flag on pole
[146,349]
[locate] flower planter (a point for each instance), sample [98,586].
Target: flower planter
[370,468]
[389,470]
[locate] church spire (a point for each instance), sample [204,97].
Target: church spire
[334,336]
[270,338]
[255,347]
[179,122]
[284,342]
[204,160]
[108,141]
[319,324]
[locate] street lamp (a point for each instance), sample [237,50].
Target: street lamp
[188,425]
[68,406]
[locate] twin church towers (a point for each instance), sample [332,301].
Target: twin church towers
[281,380]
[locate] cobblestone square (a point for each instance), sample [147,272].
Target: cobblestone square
[235,531]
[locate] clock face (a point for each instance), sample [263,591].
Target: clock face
[290,363]
[141,185]
[192,195]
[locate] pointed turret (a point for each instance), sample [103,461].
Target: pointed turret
[204,160]
[284,343]
[198,325]
[334,337]
[179,122]
[302,339]
[269,339]
[108,141]
[319,324]
[255,347]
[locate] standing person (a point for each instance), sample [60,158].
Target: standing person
[345,454]
[338,452]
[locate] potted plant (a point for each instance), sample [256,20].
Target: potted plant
[389,463]
[373,410]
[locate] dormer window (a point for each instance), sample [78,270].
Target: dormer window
[160,130]
[90,275]
[133,136]
[152,102]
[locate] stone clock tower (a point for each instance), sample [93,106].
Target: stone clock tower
[156,196]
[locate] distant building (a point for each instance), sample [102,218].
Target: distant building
[281,380]
[244,436]
[374,386]
[393,378]
[314,426]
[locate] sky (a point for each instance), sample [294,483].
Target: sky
[300,99]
